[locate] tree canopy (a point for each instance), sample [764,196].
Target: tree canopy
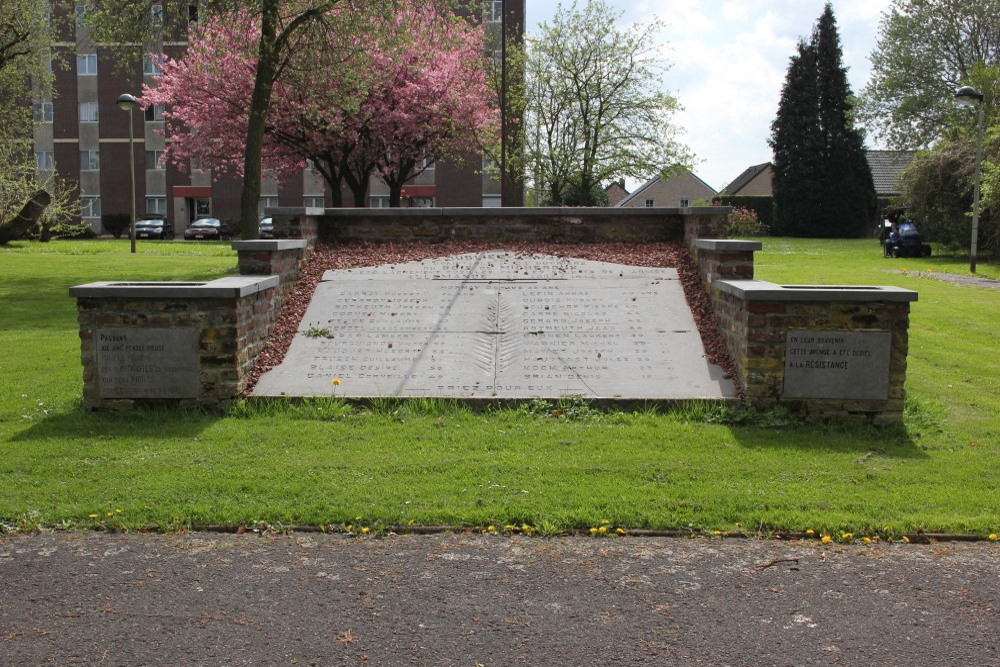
[361,93]
[822,182]
[595,109]
[925,51]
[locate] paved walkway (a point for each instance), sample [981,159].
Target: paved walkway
[310,599]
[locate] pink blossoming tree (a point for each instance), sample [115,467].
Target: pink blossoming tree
[367,98]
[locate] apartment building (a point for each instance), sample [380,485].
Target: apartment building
[82,135]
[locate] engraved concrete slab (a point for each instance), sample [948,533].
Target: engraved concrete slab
[499,325]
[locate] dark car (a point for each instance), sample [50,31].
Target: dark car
[265,228]
[153,228]
[211,229]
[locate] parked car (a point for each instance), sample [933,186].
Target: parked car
[153,227]
[211,229]
[265,229]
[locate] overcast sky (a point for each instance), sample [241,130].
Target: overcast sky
[729,59]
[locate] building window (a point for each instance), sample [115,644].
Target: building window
[86,64]
[154,160]
[264,203]
[685,203]
[45,160]
[428,164]
[42,112]
[80,11]
[492,201]
[649,203]
[156,205]
[314,201]
[154,112]
[152,65]
[156,14]
[90,207]
[379,201]
[494,11]
[192,13]
[88,112]
[90,160]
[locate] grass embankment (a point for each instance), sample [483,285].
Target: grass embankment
[431,463]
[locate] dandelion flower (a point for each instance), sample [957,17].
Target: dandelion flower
[111,514]
[620,531]
[491,529]
[810,532]
[717,532]
[846,536]
[593,531]
[335,382]
[365,529]
[826,538]
[92,516]
[993,537]
[118,511]
[906,539]
[605,521]
[602,529]
[866,540]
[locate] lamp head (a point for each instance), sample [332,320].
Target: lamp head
[126,102]
[968,96]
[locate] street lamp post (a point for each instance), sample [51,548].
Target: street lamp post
[969,96]
[127,102]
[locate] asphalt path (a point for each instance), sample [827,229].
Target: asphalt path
[315,599]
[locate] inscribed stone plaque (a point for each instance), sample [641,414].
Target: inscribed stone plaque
[148,363]
[499,324]
[837,364]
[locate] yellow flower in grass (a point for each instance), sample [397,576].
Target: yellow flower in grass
[365,530]
[810,532]
[993,537]
[826,538]
[620,531]
[91,516]
[906,539]
[866,540]
[593,531]
[602,529]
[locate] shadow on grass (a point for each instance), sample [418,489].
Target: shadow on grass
[140,424]
[892,442]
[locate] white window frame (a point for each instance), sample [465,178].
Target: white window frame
[90,160]
[266,201]
[685,203]
[42,112]
[310,201]
[154,160]
[45,160]
[86,64]
[650,203]
[90,206]
[152,65]
[494,11]
[378,201]
[156,205]
[154,113]
[85,116]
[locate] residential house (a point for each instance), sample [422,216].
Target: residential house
[678,190]
[755,181]
[887,169]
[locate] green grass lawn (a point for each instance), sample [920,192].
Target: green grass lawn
[431,463]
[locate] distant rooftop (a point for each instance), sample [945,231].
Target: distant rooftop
[887,167]
[748,175]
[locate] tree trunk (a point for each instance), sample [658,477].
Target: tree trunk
[259,103]
[22,223]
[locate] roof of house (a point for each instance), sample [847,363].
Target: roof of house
[748,175]
[653,181]
[887,167]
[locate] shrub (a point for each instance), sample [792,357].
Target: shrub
[743,222]
[116,223]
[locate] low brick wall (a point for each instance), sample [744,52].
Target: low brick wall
[178,344]
[825,352]
[570,224]
[282,258]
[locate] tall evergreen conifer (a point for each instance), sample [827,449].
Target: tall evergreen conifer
[822,183]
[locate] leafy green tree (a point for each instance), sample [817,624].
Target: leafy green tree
[25,35]
[595,110]
[926,50]
[822,182]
